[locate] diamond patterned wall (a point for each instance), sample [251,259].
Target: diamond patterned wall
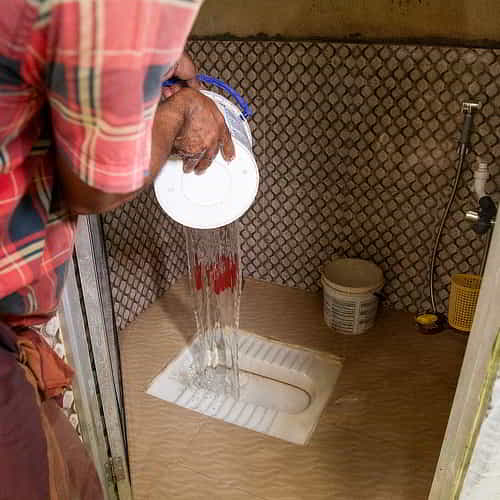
[356,149]
[145,255]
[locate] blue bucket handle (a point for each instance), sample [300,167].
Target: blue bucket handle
[210,80]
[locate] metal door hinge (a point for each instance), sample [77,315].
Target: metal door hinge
[114,469]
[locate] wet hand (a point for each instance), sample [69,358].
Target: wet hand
[185,70]
[203,132]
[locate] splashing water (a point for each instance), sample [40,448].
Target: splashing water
[215,279]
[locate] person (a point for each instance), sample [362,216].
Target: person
[82,130]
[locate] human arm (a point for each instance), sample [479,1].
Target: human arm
[188,123]
[81,198]
[103,93]
[185,71]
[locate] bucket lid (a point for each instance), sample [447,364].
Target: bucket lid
[216,198]
[353,275]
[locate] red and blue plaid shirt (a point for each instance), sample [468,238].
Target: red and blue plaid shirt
[79,78]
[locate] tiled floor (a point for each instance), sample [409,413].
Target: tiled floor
[378,438]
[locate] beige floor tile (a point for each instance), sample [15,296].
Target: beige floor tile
[143,356]
[378,439]
[391,403]
[180,482]
[338,464]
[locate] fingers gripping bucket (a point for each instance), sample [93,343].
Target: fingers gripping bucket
[236,120]
[226,190]
[350,295]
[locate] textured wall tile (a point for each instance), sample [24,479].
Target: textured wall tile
[356,150]
[145,255]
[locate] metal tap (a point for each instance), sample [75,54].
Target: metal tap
[468,109]
[484,218]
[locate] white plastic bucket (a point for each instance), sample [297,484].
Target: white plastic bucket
[350,302]
[225,191]
[236,122]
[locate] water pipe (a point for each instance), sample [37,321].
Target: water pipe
[481,176]
[484,218]
[468,110]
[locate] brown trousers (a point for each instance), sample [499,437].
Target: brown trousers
[41,456]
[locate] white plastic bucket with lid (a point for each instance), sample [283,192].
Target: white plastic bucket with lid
[226,190]
[350,288]
[235,120]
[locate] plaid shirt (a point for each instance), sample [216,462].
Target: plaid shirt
[81,78]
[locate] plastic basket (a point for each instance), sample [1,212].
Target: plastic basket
[349,295]
[463,300]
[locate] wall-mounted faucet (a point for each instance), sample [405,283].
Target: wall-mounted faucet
[483,219]
[468,109]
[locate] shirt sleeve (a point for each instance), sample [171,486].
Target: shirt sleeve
[105,60]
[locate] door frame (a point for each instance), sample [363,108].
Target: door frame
[90,338]
[474,388]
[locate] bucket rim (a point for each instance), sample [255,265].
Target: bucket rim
[351,290]
[243,182]
[377,284]
[237,111]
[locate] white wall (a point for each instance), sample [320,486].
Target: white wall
[466,20]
